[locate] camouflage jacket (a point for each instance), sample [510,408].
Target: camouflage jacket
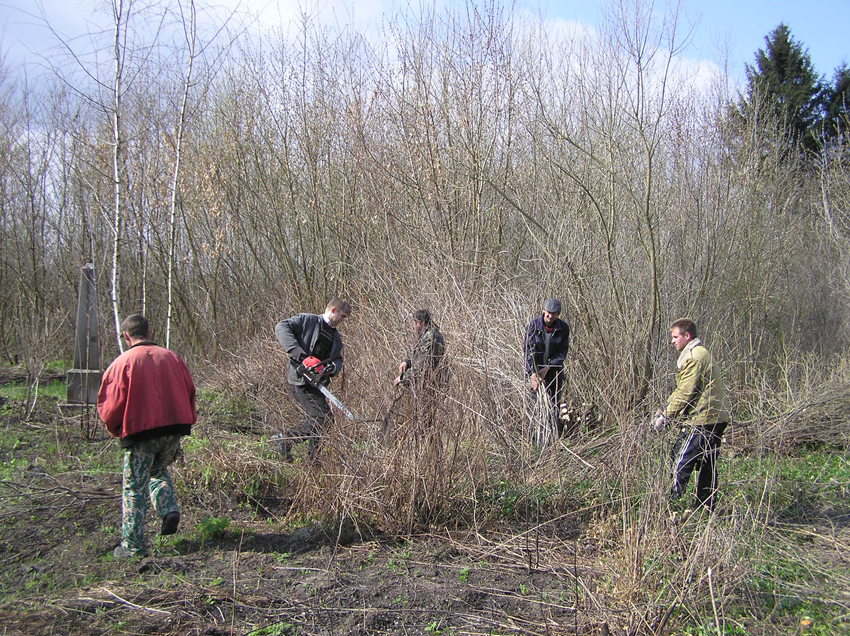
[424,361]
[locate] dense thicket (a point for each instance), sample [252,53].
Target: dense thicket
[469,161]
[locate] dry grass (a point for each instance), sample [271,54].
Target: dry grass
[586,515]
[466,466]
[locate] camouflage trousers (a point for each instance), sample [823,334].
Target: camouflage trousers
[146,474]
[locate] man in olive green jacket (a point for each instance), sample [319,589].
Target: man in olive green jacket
[423,365]
[423,371]
[700,407]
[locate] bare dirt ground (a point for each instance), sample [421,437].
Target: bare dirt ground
[301,583]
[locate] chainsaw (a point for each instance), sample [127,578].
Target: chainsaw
[313,370]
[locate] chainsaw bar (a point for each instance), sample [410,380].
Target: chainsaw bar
[310,376]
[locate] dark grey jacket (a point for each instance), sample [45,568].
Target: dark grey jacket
[297,335]
[534,350]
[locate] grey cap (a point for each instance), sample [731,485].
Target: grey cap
[553,306]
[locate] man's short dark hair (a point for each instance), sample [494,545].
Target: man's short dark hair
[339,304]
[685,325]
[423,316]
[136,326]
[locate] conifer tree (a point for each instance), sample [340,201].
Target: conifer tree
[837,105]
[783,83]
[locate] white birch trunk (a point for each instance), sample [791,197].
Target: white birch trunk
[181,124]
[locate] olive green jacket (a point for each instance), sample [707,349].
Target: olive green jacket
[700,395]
[424,361]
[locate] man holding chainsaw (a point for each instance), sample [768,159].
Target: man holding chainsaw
[315,356]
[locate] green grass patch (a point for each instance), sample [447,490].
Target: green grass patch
[10,467]
[511,500]
[17,391]
[220,403]
[58,365]
[214,528]
[795,569]
[233,463]
[799,486]
[278,629]
[810,466]
[551,496]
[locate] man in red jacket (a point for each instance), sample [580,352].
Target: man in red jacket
[147,400]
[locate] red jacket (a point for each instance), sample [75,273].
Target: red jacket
[145,388]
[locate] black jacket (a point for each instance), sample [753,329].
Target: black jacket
[535,346]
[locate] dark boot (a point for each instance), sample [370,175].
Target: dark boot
[170,523]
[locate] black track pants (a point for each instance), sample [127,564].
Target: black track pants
[696,447]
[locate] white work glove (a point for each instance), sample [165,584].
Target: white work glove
[659,423]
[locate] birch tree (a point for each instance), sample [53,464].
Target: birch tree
[190,26]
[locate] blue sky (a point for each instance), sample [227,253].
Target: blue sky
[738,26]
[822,26]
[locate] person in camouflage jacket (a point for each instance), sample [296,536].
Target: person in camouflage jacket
[423,364]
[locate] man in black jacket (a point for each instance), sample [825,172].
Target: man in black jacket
[314,336]
[547,340]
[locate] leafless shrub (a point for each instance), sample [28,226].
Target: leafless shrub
[809,407]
